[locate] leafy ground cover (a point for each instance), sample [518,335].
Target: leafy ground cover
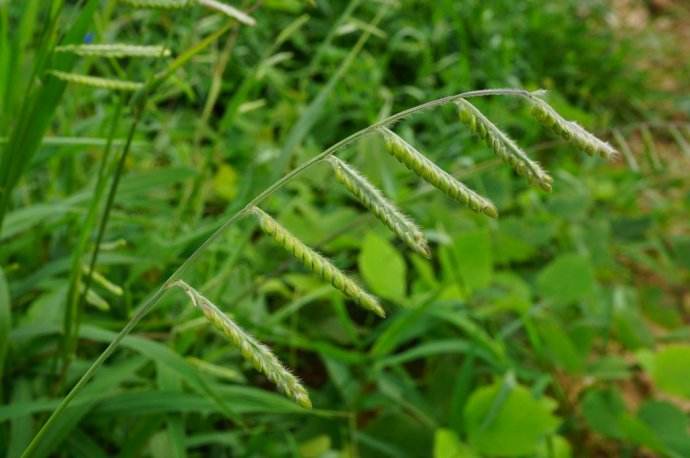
[560,329]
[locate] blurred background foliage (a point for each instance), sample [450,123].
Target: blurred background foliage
[559,330]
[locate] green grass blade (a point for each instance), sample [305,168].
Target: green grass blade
[37,112]
[5,322]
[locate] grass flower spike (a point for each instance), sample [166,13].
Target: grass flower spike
[159,4]
[216,5]
[367,194]
[94,81]
[317,263]
[570,130]
[115,50]
[502,145]
[258,354]
[422,166]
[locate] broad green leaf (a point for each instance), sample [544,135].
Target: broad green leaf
[383,268]
[315,447]
[554,447]
[603,410]
[473,256]
[567,279]
[21,426]
[671,370]
[511,293]
[107,380]
[559,347]
[225,182]
[448,445]
[510,425]
[510,242]
[670,424]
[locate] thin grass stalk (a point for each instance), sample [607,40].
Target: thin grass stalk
[191,201]
[626,150]
[367,194]
[148,304]
[258,354]
[74,299]
[139,102]
[38,106]
[74,313]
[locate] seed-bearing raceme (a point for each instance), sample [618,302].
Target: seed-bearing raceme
[502,145]
[258,354]
[425,168]
[115,50]
[317,263]
[216,5]
[95,81]
[367,194]
[569,130]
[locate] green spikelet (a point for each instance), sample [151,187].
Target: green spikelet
[502,145]
[258,354]
[94,81]
[425,168]
[229,11]
[569,130]
[115,50]
[159,4]
[367,194]
[317,263]
[215,5]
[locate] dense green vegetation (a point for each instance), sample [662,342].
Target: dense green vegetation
[560,329]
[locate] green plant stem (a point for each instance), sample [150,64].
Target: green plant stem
[151,302]
[74,297]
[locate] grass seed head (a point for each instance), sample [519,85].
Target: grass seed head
[317,263]
[570,130]
[114,50]
[371,198]
[95,81]
[258,354]
[433,174]
[502,145]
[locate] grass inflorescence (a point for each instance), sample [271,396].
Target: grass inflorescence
[317,263]
[96,81]
[502,145]
[367,194]
[115,50]
[258,354]
[570,130]
[432,173]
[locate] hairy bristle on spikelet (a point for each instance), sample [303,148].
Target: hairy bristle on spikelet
[115,50]
[570,130]
[317,263]
[94,81]
[433,174]
[502,145]
[258,354]
[369,196]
